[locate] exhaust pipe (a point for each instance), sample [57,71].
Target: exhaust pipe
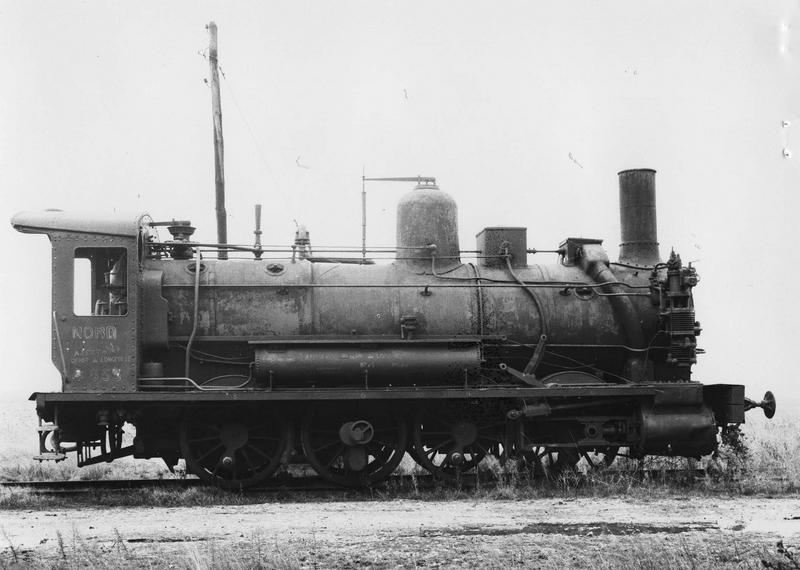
[637,212]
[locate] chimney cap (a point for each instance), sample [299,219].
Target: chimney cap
[636,170]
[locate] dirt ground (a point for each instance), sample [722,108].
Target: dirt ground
[430,533]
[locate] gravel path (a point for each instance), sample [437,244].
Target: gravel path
[424,531]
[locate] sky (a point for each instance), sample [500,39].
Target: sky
[524,112]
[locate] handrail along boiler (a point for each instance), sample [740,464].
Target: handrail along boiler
[244,366]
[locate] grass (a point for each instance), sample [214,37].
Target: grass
[16,468]
[264,550]
[19,443]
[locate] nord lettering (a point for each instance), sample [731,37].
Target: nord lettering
[108,332]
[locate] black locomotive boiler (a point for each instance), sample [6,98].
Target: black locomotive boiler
[244,364]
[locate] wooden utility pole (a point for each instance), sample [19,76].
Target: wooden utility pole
[219,154]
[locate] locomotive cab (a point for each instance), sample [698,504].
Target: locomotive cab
[95,301]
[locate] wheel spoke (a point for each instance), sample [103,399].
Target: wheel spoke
[338,453]
[257,450]
[263,438]
[204,439]
[209,452]
[327,445]
[247,459]
[442,444]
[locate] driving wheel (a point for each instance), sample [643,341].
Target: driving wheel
[449,442]
[352,445]
[234,447]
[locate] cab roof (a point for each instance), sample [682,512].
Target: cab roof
[48,221]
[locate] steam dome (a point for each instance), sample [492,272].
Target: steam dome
[427,217]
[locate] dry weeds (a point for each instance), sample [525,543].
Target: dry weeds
[260,550]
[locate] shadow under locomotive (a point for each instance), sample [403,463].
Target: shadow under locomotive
[240,365]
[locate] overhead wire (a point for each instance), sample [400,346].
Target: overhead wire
[259,151]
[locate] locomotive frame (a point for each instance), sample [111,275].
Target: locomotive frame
[242,366]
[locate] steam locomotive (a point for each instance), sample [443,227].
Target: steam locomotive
[244,364]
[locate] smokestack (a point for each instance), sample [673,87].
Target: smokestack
[637,212]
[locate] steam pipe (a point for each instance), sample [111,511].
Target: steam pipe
[637,212]
[195,316]
[594,262]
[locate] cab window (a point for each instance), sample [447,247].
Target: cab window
[101,283]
